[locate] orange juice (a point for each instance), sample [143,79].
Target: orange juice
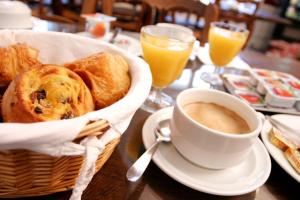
[224,45]
[166,57]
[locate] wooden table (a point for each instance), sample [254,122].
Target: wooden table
[264,15]
[111,183]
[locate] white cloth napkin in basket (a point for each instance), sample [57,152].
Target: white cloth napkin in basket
[55,137]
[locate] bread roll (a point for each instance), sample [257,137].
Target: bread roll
[106,75]
[46,93]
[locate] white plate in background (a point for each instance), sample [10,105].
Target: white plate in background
[125,42]
[276,153]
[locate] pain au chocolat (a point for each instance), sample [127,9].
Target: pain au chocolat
[15,59]
[106,75]
[45,93]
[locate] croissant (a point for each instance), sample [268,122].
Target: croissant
[106,75]
[46,93]
[15,59]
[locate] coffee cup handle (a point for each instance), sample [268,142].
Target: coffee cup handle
[261,116]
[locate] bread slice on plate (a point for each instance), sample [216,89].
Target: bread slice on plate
[293,156]
[278,139]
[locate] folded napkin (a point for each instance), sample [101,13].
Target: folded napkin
[292,122]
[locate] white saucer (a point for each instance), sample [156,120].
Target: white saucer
[241,179]
[276,153]
[125,42]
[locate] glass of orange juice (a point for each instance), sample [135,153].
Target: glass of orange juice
[225,42]
[166,49]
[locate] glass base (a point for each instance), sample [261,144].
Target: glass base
[213,78]
[157,100]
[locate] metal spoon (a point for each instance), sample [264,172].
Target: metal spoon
[114,35]
[162,133]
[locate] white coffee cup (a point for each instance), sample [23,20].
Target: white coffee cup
[208,147]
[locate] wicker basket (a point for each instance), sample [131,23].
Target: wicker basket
[27,173]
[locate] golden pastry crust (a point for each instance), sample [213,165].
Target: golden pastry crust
[46,93]
[279,140]
[293,156]
[106,75]
[15,59]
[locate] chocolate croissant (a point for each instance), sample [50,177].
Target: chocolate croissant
[46,93]
[106,75]
[15,59]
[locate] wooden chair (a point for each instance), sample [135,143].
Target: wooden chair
[130,14]
[190,13]
[56,11]
[234,15]
[66,14]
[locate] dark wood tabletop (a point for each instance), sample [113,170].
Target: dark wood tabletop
[111,183]
[267,16]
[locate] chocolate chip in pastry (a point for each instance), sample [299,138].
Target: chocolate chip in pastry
[106,75]
[15,59]
[46,93]
[2,90]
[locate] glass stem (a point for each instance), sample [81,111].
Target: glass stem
[157,100]
[156,94]
[218,70]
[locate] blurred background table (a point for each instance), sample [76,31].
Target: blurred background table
[111,182]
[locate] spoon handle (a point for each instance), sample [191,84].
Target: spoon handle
[114,35]
[140,165]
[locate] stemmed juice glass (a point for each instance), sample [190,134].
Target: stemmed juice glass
[166,49]
[225,42]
